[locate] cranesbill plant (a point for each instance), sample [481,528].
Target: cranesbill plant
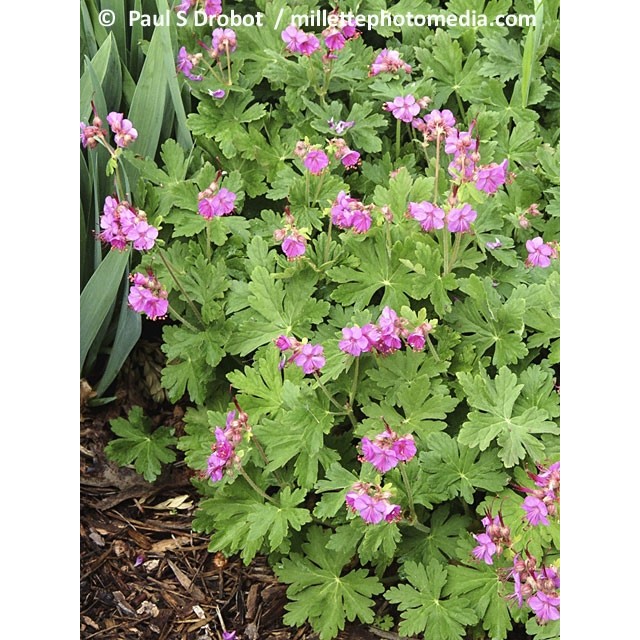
[363,247]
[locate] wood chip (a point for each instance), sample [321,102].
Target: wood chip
[148,609]
[186,583]
[122,604]
[170,544]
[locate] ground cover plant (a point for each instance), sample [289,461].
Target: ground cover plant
[349,237]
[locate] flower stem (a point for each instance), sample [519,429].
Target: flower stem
[184,321]
[172,273]
[208,246]
[407,487]
[454,252]
[255,487]
[354,384]
[327,246]
[437,174]
[318,187]
[398,132]
[226,47]
[335,403]
[432,349]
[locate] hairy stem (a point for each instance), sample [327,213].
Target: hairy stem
[255,487]
[407,488]
[172,273]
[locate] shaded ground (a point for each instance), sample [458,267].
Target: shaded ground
[144,573]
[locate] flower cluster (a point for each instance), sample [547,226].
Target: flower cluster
[335,37]
[294,241]
[341,151]
[385,336]
[121,224]
[543,501]
[123,130]
[539,253]
[223,43]
[372,503]
[215,201]
[537,587]
[388,449]
[309,357]
[388,61]
[90,134]
[223,451]
[493,541]
[436,125]
[350,213]
[406,108]
[341,126]
[148,296]
[186,62]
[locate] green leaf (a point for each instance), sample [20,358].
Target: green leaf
[105,66]
[440,543]
[487,321]
[128,333]
[276,520]
[136,443]
[455,470]
[377,269]
[260,387]
[148,103]
[98,296]
[271,313]
[307,421]
[483,586]
[191,358]
[494,418]
[319,593]
[423,608]
[334,488]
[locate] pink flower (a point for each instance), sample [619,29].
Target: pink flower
[535,511]
[333,39]
[404,448]
[459,220]
[438,124]
[298,41]
[294,246]
[143,236]
[148,296]
[492,176]
[220,204]
[212,7]
[545,606]
[218,94]
[186,62]
[340,126]
[416,341]
[388,61]
[460,142]
[388,449]
[316,161]
[361,220]
[283,343]
[310,358]
[540,253]
[403,108]
[122,128]
[354,342]
[427,214]
[89,134]
[223,40]
[485,550]
[350,158]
